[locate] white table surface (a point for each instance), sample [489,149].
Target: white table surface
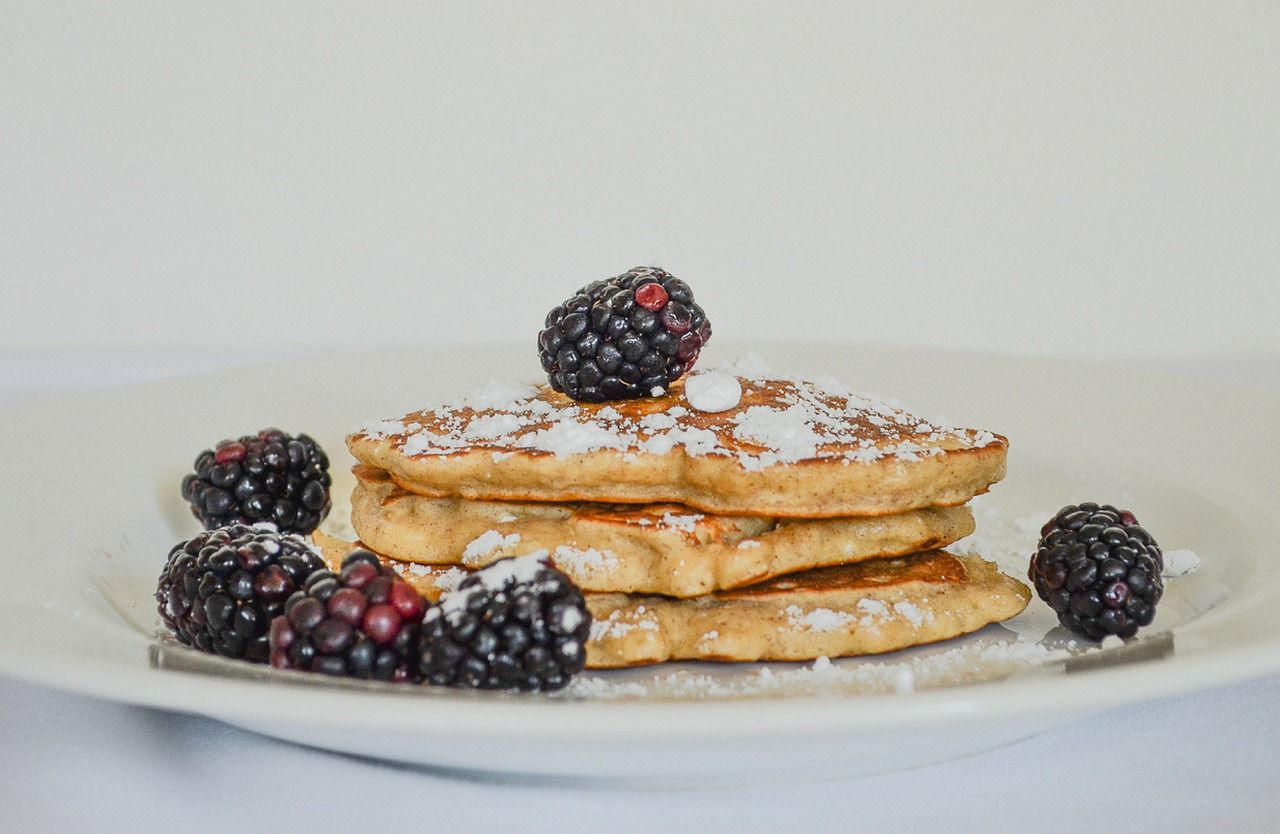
[1201,762]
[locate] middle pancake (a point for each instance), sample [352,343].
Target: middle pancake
[656,549]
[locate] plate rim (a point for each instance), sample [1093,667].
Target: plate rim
[826,712]
[598,719]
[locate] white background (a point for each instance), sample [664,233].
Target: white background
[189,185]
[1085,178]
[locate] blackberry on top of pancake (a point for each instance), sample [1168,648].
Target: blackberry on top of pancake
[623,338]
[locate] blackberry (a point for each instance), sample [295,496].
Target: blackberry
[1099,570]
[219,591]
[623,338]
[269,476]
[364,622]
[517,624]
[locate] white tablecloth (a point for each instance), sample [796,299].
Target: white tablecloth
[1196,763]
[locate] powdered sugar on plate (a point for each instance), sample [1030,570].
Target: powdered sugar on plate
[964,661]
[1180,563]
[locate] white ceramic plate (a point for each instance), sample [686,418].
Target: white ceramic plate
[92,507]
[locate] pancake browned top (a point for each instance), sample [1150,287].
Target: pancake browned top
[790,448]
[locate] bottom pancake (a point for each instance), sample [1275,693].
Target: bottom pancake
[843,611]
[848,610]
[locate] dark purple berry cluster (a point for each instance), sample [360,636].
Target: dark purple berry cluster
[220,590]
[364,622]
[622,338]
[270,476]
[518,624]
[1099,570]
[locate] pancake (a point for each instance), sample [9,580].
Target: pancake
[656,548]
[790,449]
[868,608]
[845,611]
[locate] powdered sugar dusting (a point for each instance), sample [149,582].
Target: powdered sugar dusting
[522,569]
[832,386]
[695,441]
[959,662]
[486,544]
[493,425]
[657,422]
[749,365]
[1029,525]
[450,579]
[772,420]
[496,393]
[590,687]
[620,624]
[423,442]
[1180,562]
[575,561]
[446,580]
[570,436]
[572,618]
[817,620]
[873,607]
[789,433]
[912,613]
[713,391]
[873,612]
[379,429]
[983,438]
[685,523]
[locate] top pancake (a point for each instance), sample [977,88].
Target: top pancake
[791,448]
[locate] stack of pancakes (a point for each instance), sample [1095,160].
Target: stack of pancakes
[803,522]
